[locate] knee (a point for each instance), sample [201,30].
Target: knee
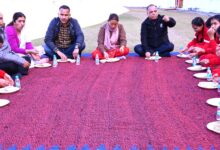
[126,50]
[171,46]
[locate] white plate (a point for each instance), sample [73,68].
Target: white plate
[68,60]
[153,58]
[4,102]
[202,75]
[208,85]
[214,126]
[43,65]
[8,89]
[109,60]
[196,68]
[181,55]
[213,101]
[189,61]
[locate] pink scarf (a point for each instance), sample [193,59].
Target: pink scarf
[110,42]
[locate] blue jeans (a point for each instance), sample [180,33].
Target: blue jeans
[164,49]
[67,51]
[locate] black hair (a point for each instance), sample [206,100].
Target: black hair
[113,17]
[15,17]
[216,17]
[198,21]
[150,6]
[218,30]
[208,22]
[64,7]
[1,39]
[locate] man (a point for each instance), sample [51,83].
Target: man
[64,36]
[9,61]
[154,34]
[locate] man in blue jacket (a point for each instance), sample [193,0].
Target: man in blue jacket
[154,34]
[64,36]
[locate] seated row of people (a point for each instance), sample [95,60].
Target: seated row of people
[65,39]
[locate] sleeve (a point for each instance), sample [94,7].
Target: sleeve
[211,47]
[13,40]
[2,74]
[170,23]
[50,35]
[101,38]
[192,43]
[144,37]
[78,33]
[122,34]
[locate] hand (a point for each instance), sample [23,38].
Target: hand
[75,52]
[122,49]
[9,79]
[26,64]
[215,78]
[106,55]
[166,18]
[211,33]
[204,61]
[35,56]
[199,50]
[62,55]
[3,83]
[191,49]
[192,55]
[147,54]
[218,50]
[31,51]
[185,49]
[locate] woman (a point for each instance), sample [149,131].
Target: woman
[18,41]
[201,36]
[111,40]
[5,79]
[9,61]
[210,58]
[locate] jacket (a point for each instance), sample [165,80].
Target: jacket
[53,31]
[155,32]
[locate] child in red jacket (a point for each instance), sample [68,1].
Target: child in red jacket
[5,79]
[201,37]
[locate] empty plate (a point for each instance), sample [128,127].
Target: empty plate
[196,68]
[43,65]
[181,55]
[214,126]
[4,102]
[8,89]
[109,60]
[189,61]
[153,58]
[213,101]
[202,75]
[208,85]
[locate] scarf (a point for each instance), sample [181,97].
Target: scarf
[111,39]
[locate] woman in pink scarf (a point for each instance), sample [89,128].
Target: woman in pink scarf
[111,40]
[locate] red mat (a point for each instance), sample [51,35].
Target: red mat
[133,101]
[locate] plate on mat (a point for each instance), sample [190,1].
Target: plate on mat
[8,89]
[208,85]
[202,75]
[4,102]
[68,60]
[214,126]
[189,61]
[109,60]
[153,58]
[196,68]
[213,101]
[44,65]
[181,55]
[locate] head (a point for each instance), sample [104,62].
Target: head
[64,14]
[208,22]
[18,21]
[152,12]
[113,21]
[2,24]
[215,22]
[198,24]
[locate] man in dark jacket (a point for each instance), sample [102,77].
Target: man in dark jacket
[64,36]
[154,34]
